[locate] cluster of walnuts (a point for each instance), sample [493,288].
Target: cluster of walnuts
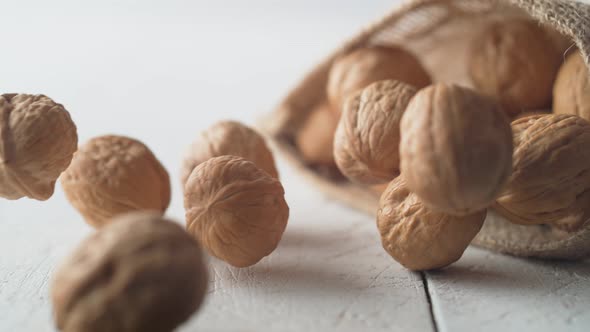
[440,154]
[140,271]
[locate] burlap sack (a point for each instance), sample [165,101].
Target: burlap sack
[438,32]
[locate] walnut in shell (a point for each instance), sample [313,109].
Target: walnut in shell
[456,149]
[315,139]
[571,93]
[111,175]
[228,138]
[366,145]
[419,238]
[516,62]
[139,273]
[550,183]
[37,141]
[236,210]
[361,67]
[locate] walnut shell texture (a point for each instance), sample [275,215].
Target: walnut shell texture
[228,138]
[419,238]
[112,175]
[37,142]
[236,210]
[367,140]
[550,183]
[456,149]
[516,62]
[139,273]
[315,139]
[571,93]
[361,67]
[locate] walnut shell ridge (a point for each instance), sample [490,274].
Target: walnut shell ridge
[571,93]
[456,149]
[515,61]
[139,273]
[228,138]
[37,142]
[112,175]
[236,210]
[419,238]
[550,183]
[361,67]
[367,140]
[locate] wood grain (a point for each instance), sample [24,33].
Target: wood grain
[492,292]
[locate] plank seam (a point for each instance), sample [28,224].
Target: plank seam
[429,300]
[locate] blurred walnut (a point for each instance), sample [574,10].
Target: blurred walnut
[527,114]
[111,175]
[139,273]
[550,183]
[228,138]
[359,68]
[315,139]
[456,149]
[571,93]
[379,188]
[235,209]
[419,238]
[37,142]
[516,62]
[366,146]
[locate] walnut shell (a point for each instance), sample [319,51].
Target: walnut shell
[379,188]
[228,138]
[37,141]
[139,273]
[361,67]
[456,149]
[527,114]
[111,175]
[315,139]
[236,210]
[419,238]
[366,145]
[516,62]
[550,183]
[571,93]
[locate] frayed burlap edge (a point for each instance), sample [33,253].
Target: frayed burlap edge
[571,18]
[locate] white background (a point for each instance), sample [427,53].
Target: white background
[161,71]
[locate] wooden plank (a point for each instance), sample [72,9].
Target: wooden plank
[485,291]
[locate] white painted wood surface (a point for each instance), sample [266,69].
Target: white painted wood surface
[491,292]
[161,72]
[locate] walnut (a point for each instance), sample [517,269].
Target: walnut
[359,68]
[456,149]
[228,138]
[419,238]
[516,62]
[111,175]
[551,174]
[379,188]
[571,93]
[139,273]
[236,210]
[527,114]
[366,146]
[315,139]
[37,142]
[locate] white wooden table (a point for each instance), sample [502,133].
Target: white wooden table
[161,72]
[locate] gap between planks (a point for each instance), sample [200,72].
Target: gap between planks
[429,300]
